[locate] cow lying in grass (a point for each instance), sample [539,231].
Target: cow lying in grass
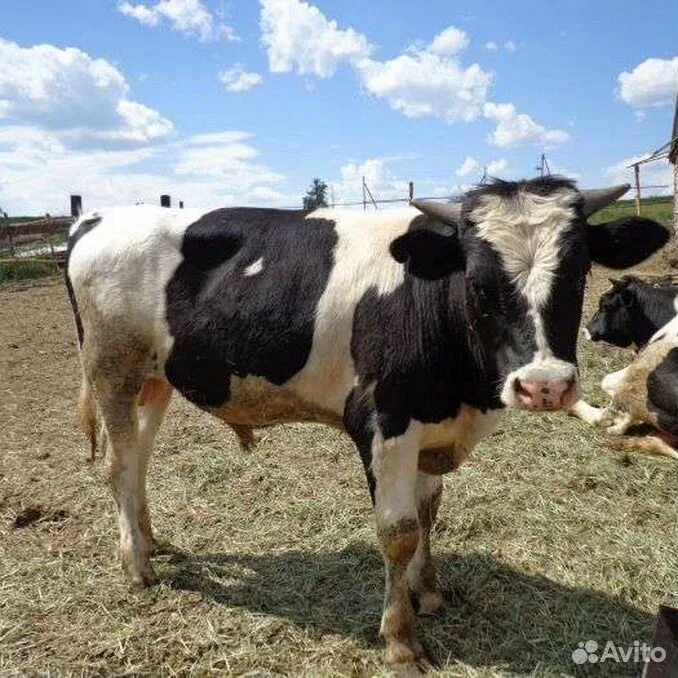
[644,395]
[410,330]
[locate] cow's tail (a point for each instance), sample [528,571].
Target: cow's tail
[643,445]
[87,415]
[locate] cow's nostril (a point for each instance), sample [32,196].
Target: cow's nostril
[546,390]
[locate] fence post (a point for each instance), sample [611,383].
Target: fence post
[181,204]
[411,190]
[76,206]
[165,201]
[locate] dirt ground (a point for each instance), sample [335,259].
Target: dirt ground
[269,565]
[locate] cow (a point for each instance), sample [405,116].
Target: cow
[643,396]
[632,311]
[410,330]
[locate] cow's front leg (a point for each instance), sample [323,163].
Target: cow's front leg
[394,465]
[421,574]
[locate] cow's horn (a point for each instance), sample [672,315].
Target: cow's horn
[447,212]
[597,198]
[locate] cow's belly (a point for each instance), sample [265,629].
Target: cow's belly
[445,446]
[254,401]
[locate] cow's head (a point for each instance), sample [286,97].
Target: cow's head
[525,248]
[631,311]
[612,321]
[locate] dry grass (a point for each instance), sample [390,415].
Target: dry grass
[269,565]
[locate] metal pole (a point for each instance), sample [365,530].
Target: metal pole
[364,196]
[636,171]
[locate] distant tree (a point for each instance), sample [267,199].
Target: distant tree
[316,196]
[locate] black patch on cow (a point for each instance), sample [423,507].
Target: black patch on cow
[84,227]
[359,424]
[226,323]
[430,252]
[662,394]
[632,311]
[626,242]
[562,314]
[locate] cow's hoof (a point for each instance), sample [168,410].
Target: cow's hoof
[144,579]
[404,670]
[403,652]
[430,603]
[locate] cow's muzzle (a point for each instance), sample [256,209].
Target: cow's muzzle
[552,385]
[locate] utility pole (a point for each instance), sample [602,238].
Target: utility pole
[543,166]
[367,189]
[364,195]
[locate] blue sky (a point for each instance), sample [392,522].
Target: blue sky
[244,101]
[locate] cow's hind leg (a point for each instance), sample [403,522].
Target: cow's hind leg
[153,402]
[118,367]
[421,573]
[394,465]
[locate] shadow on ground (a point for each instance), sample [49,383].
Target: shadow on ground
[495,616]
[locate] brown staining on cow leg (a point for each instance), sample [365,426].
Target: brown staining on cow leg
[245,436]
[421,573]
[399,543]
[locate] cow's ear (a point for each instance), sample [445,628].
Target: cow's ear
[625,242]
[429,253]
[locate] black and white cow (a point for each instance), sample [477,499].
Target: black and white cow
[643,395]
[410,330]
[632,311]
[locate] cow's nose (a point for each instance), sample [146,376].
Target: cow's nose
[546,395]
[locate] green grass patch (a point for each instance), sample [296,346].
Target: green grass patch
[16,270]
[660,208]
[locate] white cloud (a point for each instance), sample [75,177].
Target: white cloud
[473,167]
[420,83]
[491,46]
[67,90]
[468,167]
[657,177]
[380,178]
[448,42]
[496,167]
[209,170]
[519,129]
[190,17]
[653,82]
[236,79]
[510,46]
[299,37]
[427,81]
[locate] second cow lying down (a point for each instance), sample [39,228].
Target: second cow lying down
[643,396]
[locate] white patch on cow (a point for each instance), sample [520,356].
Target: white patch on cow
[254,268]
[394,465]
[611,382]
[526,230]
[668,330]
[362,261]
[123,265]
[588,413]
